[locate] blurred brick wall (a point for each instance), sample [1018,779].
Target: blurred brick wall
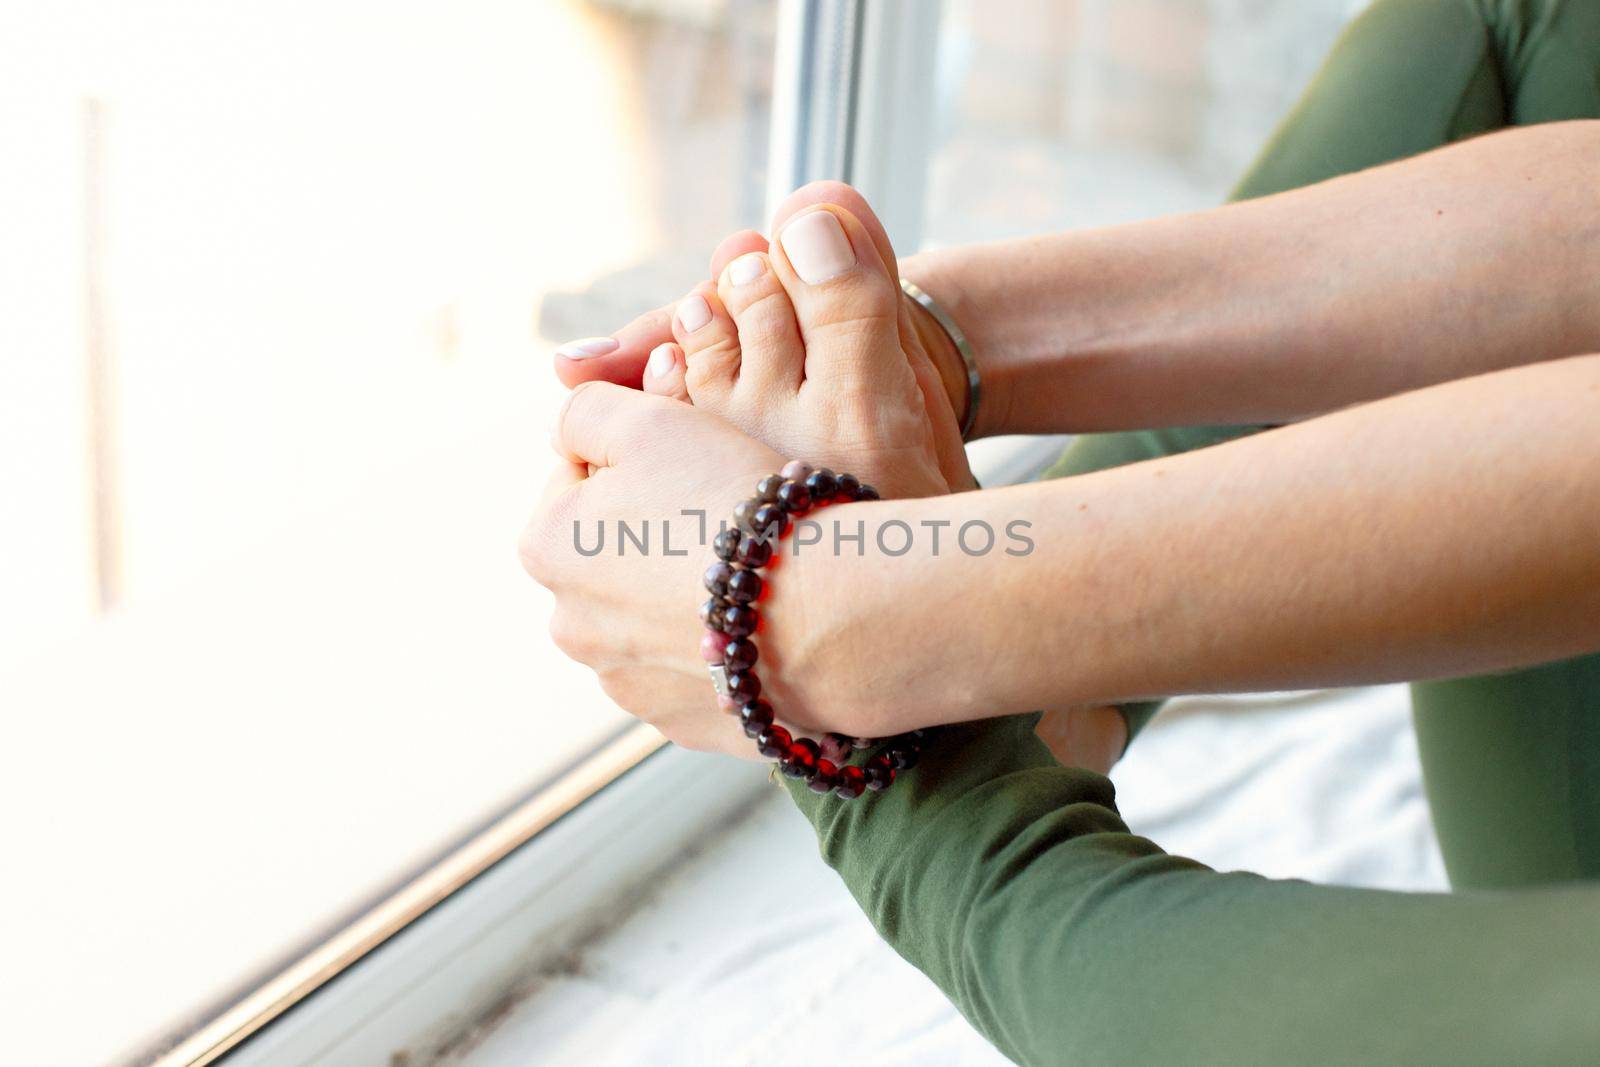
[1199,82]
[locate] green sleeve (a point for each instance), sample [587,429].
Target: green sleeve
[1014,884]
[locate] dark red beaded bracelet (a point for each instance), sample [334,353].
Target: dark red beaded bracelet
[729,647]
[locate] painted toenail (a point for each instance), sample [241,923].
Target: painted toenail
[589,346]
[694,312]
[747,268]
[817,247]
[661,361]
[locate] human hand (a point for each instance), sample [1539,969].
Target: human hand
[671,474]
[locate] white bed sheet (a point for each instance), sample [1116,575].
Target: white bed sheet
[752,953]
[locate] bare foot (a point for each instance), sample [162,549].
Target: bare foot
[626,357]
[810,348]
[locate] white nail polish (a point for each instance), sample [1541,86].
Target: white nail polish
[661,360]
[817,247]
[747,268]
[694,312]
[589,346]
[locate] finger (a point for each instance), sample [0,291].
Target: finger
[602,422]
[538,546]
[619,358]
[733,246]
[566,475]
[681,707]
[663,375]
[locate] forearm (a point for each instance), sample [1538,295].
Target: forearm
[1447,531]
[1463,260]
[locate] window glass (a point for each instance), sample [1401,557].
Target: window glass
[280,290]
[1060,115]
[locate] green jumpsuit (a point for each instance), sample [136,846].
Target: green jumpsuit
[1014,884]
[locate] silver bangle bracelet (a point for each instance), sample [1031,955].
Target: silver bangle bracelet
[957,338]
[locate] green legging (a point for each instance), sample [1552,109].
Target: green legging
[1512,761]
[1014,884]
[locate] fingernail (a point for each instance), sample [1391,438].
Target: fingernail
[694,312]
[661,360]
[746,269]
[589,346]
[817,247]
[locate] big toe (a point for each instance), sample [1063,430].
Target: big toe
[846,301]
[841,195]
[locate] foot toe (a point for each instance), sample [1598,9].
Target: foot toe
[663,374]
[843,196]
[845,299]
[733,246]
[710,343]
[772,356]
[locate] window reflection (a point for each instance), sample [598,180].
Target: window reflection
[282,287]
[1098,111]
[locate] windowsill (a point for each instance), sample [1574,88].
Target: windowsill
[744,946]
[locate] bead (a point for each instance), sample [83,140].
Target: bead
[717,576]
[754,552]
[822,484]
[744,511]
[740,654]
[794,498]
[825,779]
[726,543]
[744,586]
[731,618]
[713,647]
[835,747]
[770,522]
[744,686]
[711,613]
[879,773]
[800,761]
[773,742]
[767,488]
[756,717]
[902,759]
[739,620]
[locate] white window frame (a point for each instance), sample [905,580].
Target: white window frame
[853,99]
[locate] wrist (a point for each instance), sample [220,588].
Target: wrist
[880,641]
[941,274]
[842,660]
[807,618]
[742,616]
